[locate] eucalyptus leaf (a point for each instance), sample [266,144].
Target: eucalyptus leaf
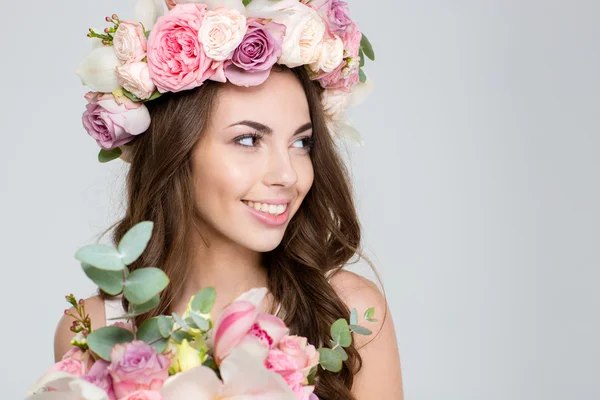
[109,281]
[246,2]
[340,333]
[353,316]
[370,313]
[165,326]
[360,330]
[204,300]
[366,47]
[362,77]
[134,242]
[184,326]
[142,308]
[178,336]
[105,156]
[101,341]
[200,321]
[330,360]
[190,323]
[143,284]
[361,54]
[342,353]
[312,374]
[373,320]
[149,332]
[101,256]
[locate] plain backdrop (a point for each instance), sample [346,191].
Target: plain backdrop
[478,188]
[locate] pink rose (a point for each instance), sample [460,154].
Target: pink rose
[135,77]
[99,376]
[143,395]
[335,12]
[175,55]
[252,60]
[239,323]
[305,355]
[351,39]
[73,362]
[137,366]
[344,77]
[113,122]
[130,42]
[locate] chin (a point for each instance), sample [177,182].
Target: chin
[263,243]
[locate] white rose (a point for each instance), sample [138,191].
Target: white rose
[304,34]
[331,55]
[221,32]
[135,77]
[130,42]
[335,102]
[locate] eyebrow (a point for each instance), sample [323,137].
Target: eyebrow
[267,130]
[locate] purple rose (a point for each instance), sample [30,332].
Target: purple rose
[114,122]
[252,60]
[98,375]
[335,12]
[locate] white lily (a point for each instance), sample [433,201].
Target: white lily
[360,92]
[63,386]
[148,11]
[98,70]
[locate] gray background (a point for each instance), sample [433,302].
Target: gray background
[478,188]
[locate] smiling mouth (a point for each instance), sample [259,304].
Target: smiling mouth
[271,209]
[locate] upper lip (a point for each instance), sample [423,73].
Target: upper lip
[274,202]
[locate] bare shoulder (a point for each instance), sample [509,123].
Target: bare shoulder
[380,376]
[94,307]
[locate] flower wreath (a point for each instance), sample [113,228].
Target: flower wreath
[235,41]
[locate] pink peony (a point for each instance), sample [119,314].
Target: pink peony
[130,42]
[73,362]
[113,123]
[143,395]
[99,376]
[137,366]
[252,61]
[176,57]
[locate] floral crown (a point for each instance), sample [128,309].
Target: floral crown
[235,41]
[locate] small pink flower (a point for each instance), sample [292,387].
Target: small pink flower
[176,57]
[73,362]
[143,395]
[130,42]
[137,366]
[113,123]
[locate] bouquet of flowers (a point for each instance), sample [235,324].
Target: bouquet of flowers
[242,354]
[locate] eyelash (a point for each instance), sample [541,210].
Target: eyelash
[310,142]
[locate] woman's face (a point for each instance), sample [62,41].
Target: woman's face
[252,165]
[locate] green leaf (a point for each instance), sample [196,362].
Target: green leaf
[101,341]
[340,333]
[131,96]
[143,284]
[142,308]
[155,95]
[184,326]
[200,321]
[342,353]
[178,336]
[312,374]
[101,256]
[165,326]
[149,332]
[134,242]
[353,316]
[330,360]
[370,313]
[246,2]
[360,330]
[361,76]
[109,281]
[366,47]
[373,320]
[361,54]
[204,300]
[105,156]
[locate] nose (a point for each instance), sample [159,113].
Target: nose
[280,169]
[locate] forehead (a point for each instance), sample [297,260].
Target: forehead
[279,102]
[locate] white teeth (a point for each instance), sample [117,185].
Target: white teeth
[267,208]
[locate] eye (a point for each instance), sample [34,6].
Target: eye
[305,143]
[248,140]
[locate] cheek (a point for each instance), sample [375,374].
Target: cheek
[306,175]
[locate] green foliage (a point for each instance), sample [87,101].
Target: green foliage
[165,325]
[109,281]
[360,330]
[101,256]
[204,300]
[134,242]
[353,317]
[330,360]
[150,333]
[105,156]
[340,333]
[367,48]
[362,77]
[101,341]
[143,284]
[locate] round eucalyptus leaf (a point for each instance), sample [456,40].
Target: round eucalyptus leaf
[143,284]
[200,321]
[342,353]
[204,300]
[101,341]
[165,326]
[330,360]
[109,281]
[184,326]
[340,333]
[149,332]
[361,330]
[134,242]
[101,256]
[354,316]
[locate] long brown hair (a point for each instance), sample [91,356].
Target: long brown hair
[321,238]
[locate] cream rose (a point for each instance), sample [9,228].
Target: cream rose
[331,55]
[135,77]
[221,32]
[304,34]
[130,42]
[335,102]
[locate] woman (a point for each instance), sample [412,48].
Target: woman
[246,189]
